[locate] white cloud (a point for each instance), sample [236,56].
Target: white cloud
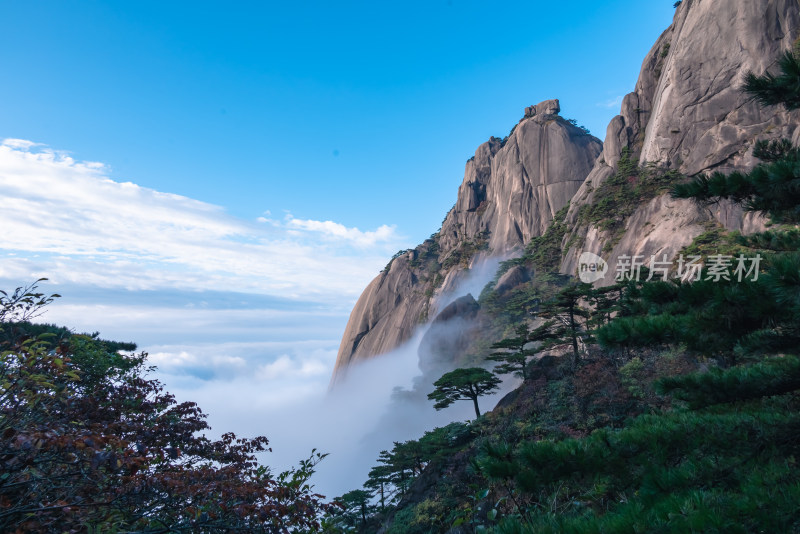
[243,317]
[339,231]
[185,359]
[87,227]
[285,367]
[19,143]
[611,102]
[207,329]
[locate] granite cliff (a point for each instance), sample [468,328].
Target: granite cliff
[686,115]
[512,188]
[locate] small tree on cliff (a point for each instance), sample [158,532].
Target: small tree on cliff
[463,384]
[356,507]
[380,477]
[569,315]
[514,356]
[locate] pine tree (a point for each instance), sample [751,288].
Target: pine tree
[781,89]
[463,384]
[514,357]
[378,479]
[567,310]
[356,505]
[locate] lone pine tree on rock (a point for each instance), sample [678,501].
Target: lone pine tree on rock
[463,384]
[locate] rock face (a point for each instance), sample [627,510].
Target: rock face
[384,316]
[512,278]
[699,118]
[686,113]
[448,336]
[512,188]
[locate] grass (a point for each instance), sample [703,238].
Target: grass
[620,196]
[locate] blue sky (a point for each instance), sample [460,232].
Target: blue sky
[358,112]
[219,181]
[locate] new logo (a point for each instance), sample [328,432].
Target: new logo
[591,267]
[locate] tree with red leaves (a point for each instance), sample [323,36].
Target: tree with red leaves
[118,453]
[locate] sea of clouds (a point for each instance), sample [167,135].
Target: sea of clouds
[242,317]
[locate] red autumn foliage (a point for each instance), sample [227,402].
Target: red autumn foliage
[121,454]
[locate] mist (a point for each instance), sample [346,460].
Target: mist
[378,402]
[278,387]
[469,282]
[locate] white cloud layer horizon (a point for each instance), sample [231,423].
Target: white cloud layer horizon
[236,314]
[63,218]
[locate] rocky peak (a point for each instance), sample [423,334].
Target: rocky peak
[688,112]
[512,187]
[543,109]
[700,119]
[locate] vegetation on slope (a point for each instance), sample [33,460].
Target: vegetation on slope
[617,198]
[680,414]
[89,443]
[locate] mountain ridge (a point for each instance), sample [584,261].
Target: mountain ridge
[507,196]
[685,116]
